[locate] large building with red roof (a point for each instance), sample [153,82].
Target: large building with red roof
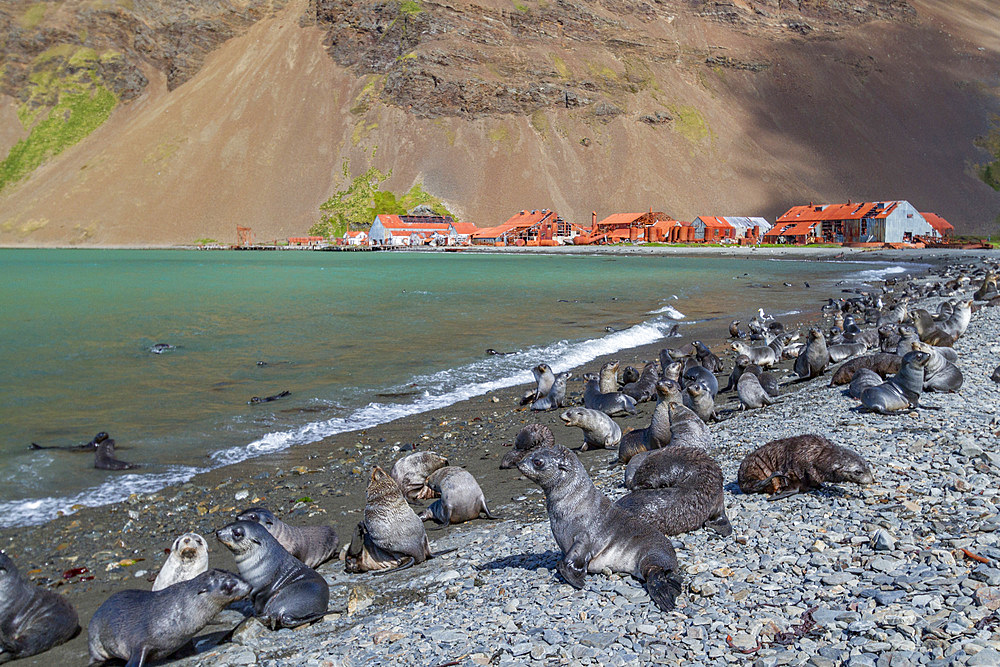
[536,227]
[396,230]
[863,222]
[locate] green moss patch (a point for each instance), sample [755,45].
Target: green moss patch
[689,123]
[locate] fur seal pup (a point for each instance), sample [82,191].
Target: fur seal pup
[630,374]
[739,365]
[767,380]
[267,399]
[699,399]
[814,359]
[391,536]
[599,430]
[528,438]
[790,465]
[842,351]
[188,558]
[104,457]
[762,355]
[593,533]
[644,388]
[751,393]
[313,545]
[699,374]
[940,374]
[141,626]
[707,358]
[614,403]
[687,428]
[654,436]
[863,379]
[412,471]
[678,490]
[734,330]
[556,396]
[544,379]
[32,619]
[608,377]
[89,447]
[286,592]
[883,363]
[461,498]
[902,390]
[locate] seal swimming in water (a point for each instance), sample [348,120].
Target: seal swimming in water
[791,465]
[599,430]
[614,403]
[556,396]
[412,471]
[188,558]
[902,390]
[530,437]
[89,447]
[593,533]
[160,348]
[814,359]
[286,592]
[313,545]
[267,399]
[461,498]
[883,363]
[32,619]
[139,626]
[104,457]
[940,374]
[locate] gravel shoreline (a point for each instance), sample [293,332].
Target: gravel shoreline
[498,600]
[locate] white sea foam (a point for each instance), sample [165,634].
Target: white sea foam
[669,311]
[880,273]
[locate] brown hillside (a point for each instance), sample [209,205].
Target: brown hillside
[689,107]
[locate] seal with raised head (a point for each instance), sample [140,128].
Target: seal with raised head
[814,359]
[734,330]
[677,490]
[391,536]
[32,619]
[940,374]
[762,355]
[883,363]
[461,498]
[644,388]
[89,447]
[140,626]
[104,457]
[687,428]
[902,390]
[751,392]
[556,396]
[593,533]
[599,430]
[699,399]
[313,545]
[286,592]
[188,558]
[412,471]
[707,358]
[608,377]
[544,378]
[654,436]
[630,374]
[613,403]
[530,437]
[790,465]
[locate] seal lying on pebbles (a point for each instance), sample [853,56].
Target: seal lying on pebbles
[611,403]
[593,533]
[764,356]
[104,457]
[544,378]
[556,397]
[528,438]
[790,465]
[32,619]
[677,490]
[687,428]
[599,430]
[699,374]
[141,626]
[939,373]
[461,498]
[313,545]
[188,558]
[751,392]
[902,390]
[286,592]
[883,363]
[391,536]
[411,472]
[814,359]
[996,374]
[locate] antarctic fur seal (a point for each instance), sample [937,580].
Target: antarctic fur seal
[32,619]
[461,498]
[699,374]
[814,359]
[412,471]
[140,626]
[630,374]
[608,377]
[286,592]
[940,374]
[699,399]
[790,465]
[883,363]
[764,355]
[644,388]
[707,358]
[544,378]
[654,436]
[267,399]
[611,403]
[104,457]
[188,558]
[902,390]
[530,437]
[996,374]
[863,378]
[599,430]
[593,533]
[687,428]
[313,545]
[89,447]
[842,351]
[556,396]
[751,392]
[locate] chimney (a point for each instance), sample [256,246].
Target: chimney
[593,222]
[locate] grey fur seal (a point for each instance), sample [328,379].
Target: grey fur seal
[883,363]
[599,430]
[608,377]
[461,498]
[940,374]
[644,388]
[677,490]
[89,447]
[843,351]
[593,533]
[699,399]
[313,545]
[530,437]
[751,392]
[699,374]
[762,355]
[687,428]
[707,358]
[391,536]
[790,465]
[544,379]
[863,378]
[902,390]
[814,359]
[654,436]
[188,558]
[32,619]
[556,396]
[286,592]
[739,365]
[613,403]
[267,399]
[141,626]
[630,374]
[412,471]
[104,457]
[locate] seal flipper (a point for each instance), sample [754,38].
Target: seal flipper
[138,660]
[759,487]
[405,565]
[663,587]
[573,566]
[435,554]
[721,525]
[784,494]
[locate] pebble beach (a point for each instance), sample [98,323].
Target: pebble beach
[904,571]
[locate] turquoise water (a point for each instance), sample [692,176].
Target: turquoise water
[357,338]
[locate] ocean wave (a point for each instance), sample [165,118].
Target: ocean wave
[880,273]
[669,311]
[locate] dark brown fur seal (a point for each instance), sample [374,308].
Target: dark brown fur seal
[644,389]
[528,438]
[104,457]
[286,592]
[882,363]
[89,447]
[677,490]
[790,465]
[594,534]
[32,619]
[313,545]
[140,626]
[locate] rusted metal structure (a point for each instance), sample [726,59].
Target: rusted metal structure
[244,236]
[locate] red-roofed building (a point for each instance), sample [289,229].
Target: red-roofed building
[359,237]
[537,227]
[865,222]
[942,227]
[419,230]
[651,226]
[711,229]
[793,232]
[305,240]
